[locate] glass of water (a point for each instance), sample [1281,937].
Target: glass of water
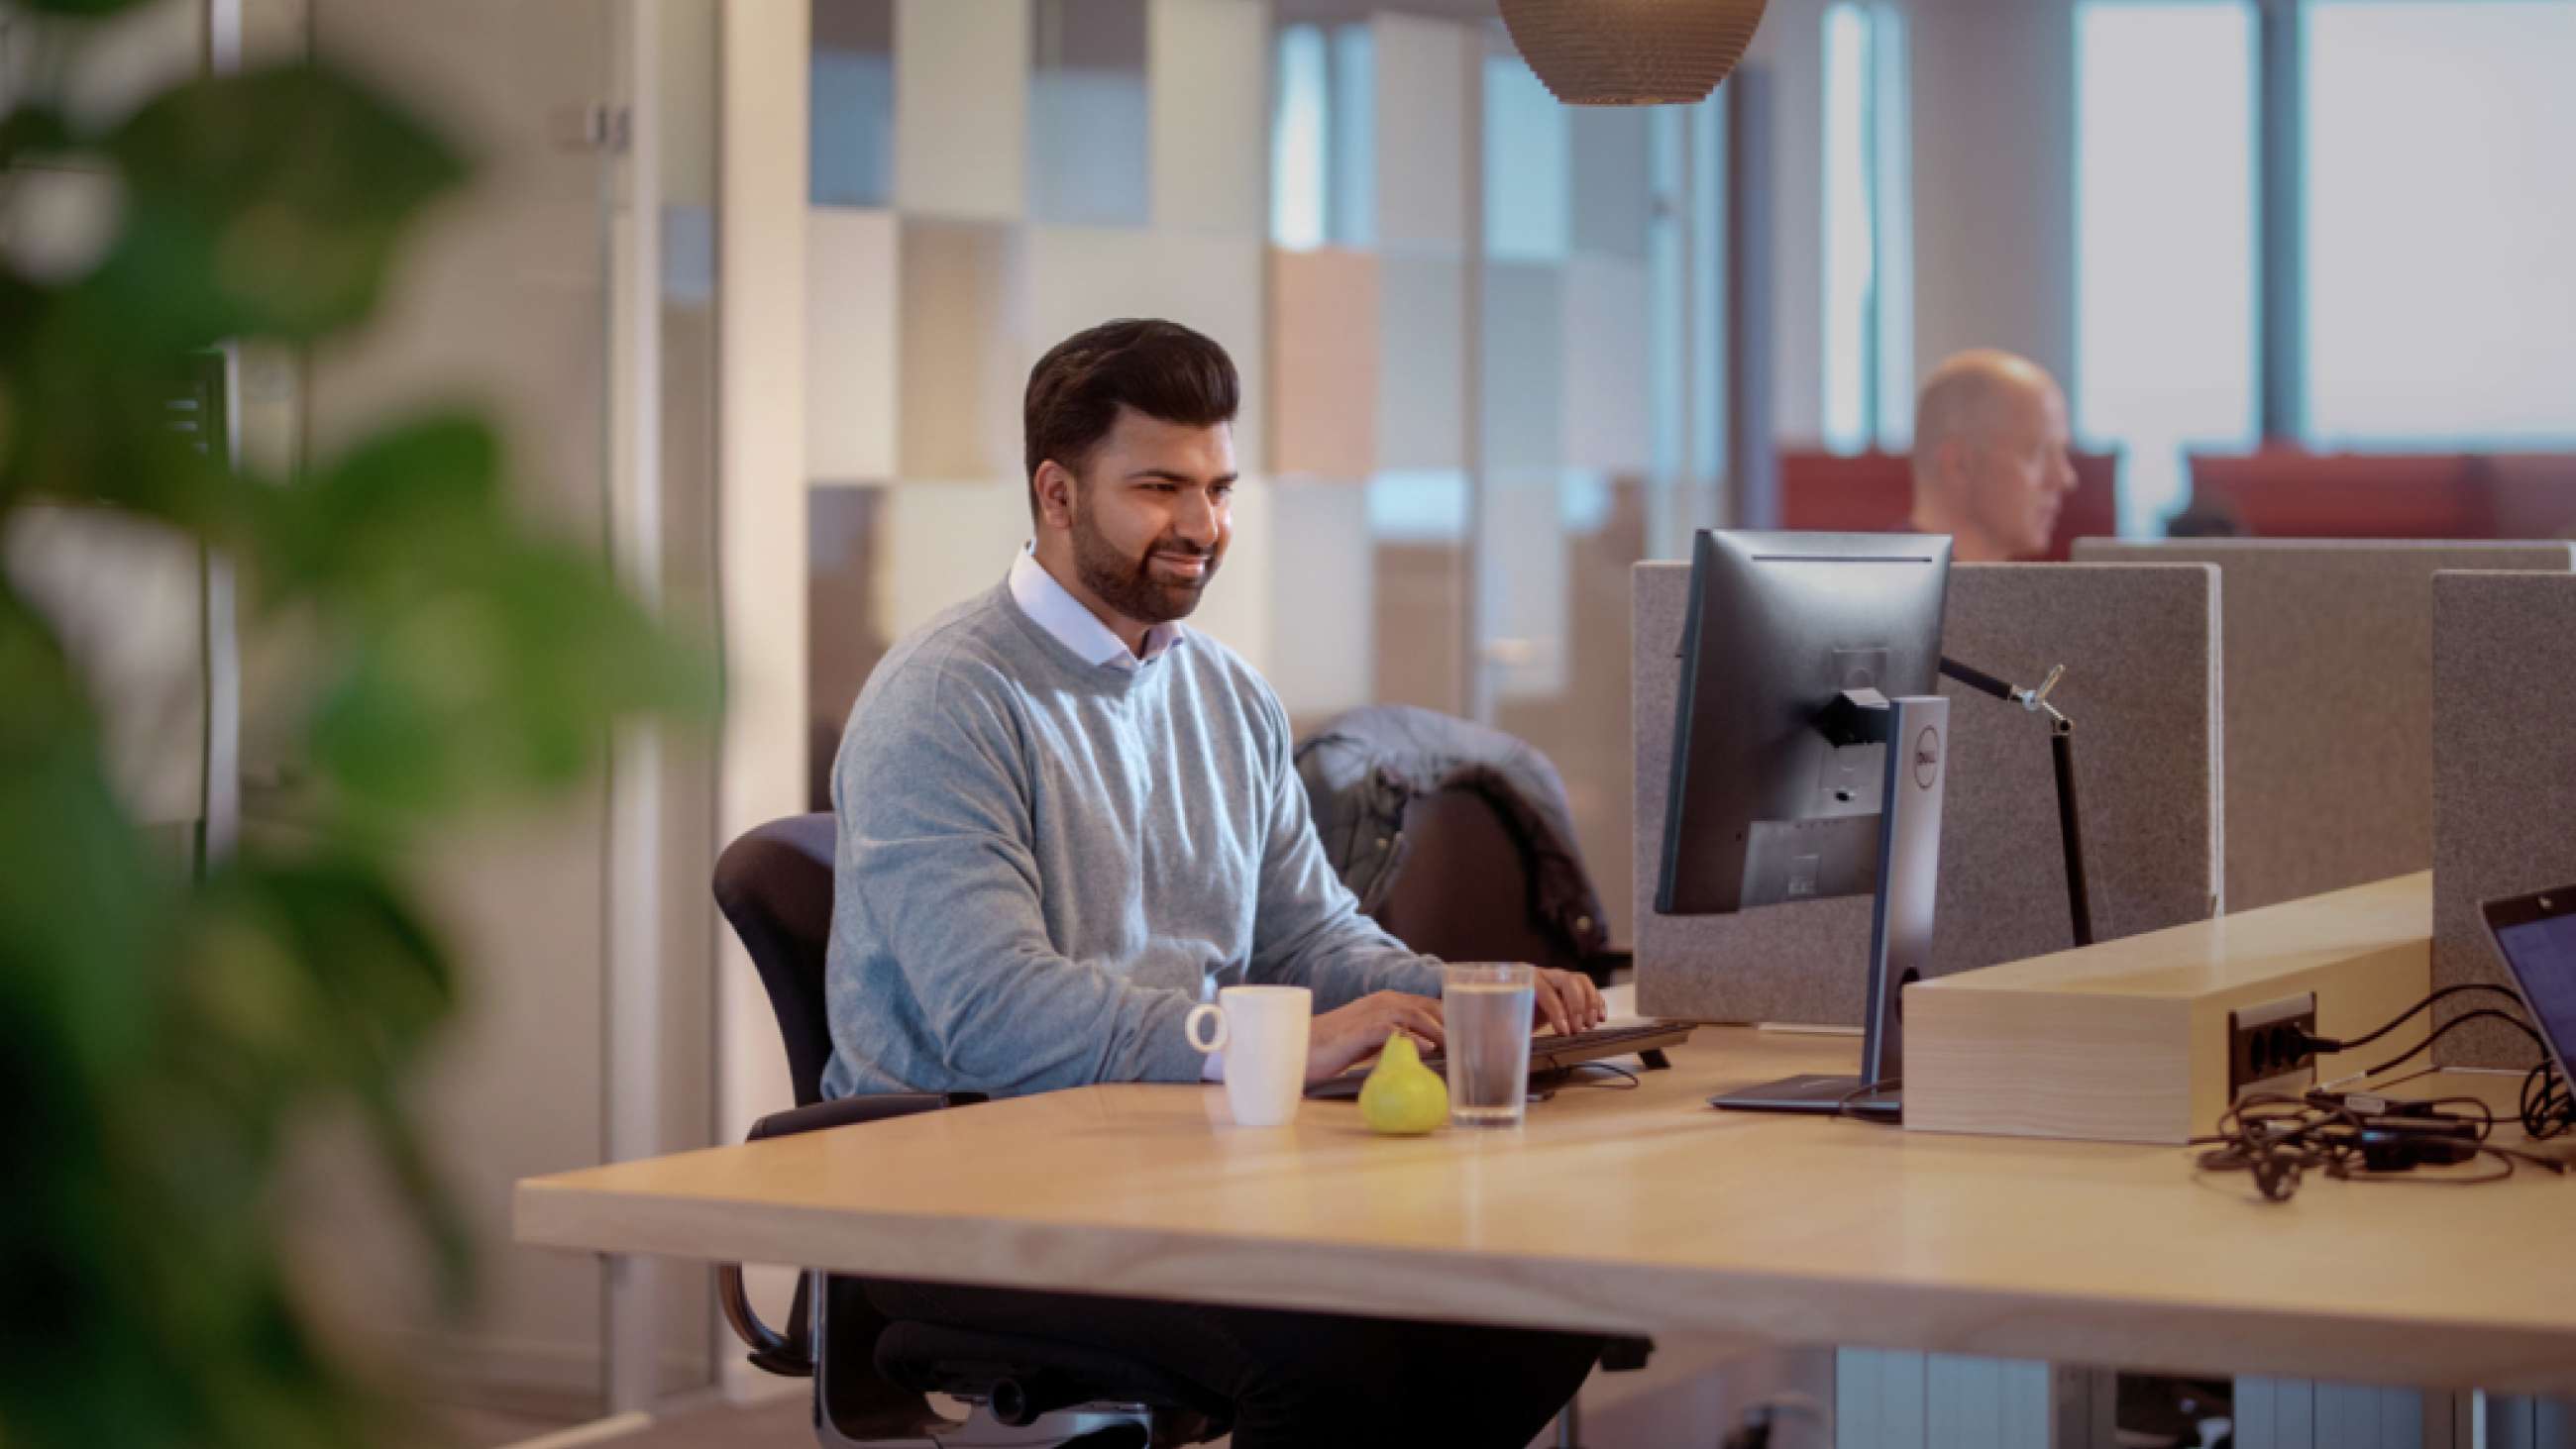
[1486,1007]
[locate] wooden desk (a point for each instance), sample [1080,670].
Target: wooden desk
[1645,1212]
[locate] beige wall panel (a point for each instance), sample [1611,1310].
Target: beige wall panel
[1208,69]
[1238,606]
[761,490]
[2504,777]
[1324,364]
[961,96]
[2330,701]
[965,351]
[1082,276]
[2142,685]
[853,332]
[1421,363]
[1605,365]
[1422,131]
[688,81]
[1322,591]
[944,544]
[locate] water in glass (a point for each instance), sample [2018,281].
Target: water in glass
[1487,1016]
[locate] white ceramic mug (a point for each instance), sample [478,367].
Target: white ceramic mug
[1262,1030]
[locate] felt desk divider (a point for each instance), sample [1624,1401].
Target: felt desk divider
[2328,650]
[2140,645]
[2504,780]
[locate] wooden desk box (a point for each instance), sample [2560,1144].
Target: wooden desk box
[2127,1041]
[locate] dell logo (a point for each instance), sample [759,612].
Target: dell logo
[1927,757]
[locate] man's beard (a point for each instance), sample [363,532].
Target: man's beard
[1128,584]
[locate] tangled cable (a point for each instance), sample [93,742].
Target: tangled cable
[2279,1138]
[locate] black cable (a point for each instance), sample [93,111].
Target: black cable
[2329,1044]
[2279,1139]
[2437,1033]
[2548,1110]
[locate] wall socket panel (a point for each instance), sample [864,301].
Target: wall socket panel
[2267,1048]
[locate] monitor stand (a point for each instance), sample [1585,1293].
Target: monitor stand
[1900,932]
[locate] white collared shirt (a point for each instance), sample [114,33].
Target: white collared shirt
[1053,608]
[1056,610]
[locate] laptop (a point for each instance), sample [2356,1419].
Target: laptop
[2536,935]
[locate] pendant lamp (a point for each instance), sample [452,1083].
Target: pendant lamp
[1631,52]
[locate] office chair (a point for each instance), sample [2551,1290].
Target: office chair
[1458,839]
[871,1374]
[1463,857]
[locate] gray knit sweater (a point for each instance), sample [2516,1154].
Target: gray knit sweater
[1043,863]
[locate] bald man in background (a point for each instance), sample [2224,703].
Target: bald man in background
[1990,460]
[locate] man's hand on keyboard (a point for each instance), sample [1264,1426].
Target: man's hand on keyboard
[1344,1035]
[1568,1001]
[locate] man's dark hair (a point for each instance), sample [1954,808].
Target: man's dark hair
[1161,369]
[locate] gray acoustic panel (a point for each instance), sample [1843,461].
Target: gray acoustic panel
[2504,775]
[2329,659]
[2140,645]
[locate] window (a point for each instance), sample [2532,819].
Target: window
[2165,241]
[1869,305]
[2441,222]
[1299,140]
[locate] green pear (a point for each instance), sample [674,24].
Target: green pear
[1402,1097]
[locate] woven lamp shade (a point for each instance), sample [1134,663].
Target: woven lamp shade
[1631,52]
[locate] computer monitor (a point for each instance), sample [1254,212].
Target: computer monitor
[1809,751]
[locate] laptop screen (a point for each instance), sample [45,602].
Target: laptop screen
[2541,949]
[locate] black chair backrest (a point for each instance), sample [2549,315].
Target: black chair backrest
[775,886]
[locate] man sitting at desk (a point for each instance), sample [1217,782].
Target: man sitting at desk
[1064,820]
[1990,461]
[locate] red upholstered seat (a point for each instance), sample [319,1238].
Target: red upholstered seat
[1873,493]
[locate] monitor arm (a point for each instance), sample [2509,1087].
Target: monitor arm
[2061,743]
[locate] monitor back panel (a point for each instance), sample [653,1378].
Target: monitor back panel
[2329,684]
[2140,645]
[2504,778]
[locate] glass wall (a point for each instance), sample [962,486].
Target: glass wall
[1868,227]
[1468,397]
[2165,239]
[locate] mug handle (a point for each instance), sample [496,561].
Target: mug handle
[1190,1028]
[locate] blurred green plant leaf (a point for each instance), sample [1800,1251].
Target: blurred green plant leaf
[36,130]
[161,1036]
[267,204]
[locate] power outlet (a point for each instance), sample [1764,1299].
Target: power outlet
[2267,1046]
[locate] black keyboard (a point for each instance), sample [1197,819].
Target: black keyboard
[1549,1054]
